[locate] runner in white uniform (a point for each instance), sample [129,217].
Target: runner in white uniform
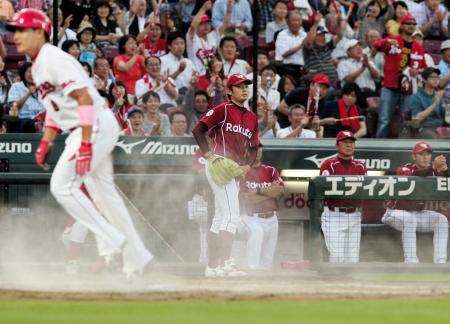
[74,105]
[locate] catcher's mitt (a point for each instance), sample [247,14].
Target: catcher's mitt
[223,170]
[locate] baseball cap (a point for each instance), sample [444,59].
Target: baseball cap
[237,79]
[342,135]
[134,109]
[204,19]
[445,45]
[321,79]
[422,146]
[349,44]
[321,30]
[407,18]
[428,71]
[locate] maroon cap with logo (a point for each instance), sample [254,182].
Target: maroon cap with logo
[205,18]
[237,79]
[342,135]
[407,18]
[422,146]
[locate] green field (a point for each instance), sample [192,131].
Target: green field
[414,310]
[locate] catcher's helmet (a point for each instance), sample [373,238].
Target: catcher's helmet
[30,18]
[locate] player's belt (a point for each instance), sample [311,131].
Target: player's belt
[264,215]
[347,210]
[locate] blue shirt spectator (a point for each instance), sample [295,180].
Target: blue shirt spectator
[31,106]
[241,14]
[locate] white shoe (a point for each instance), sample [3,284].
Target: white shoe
[214,272]
[132,275]
[65,236]
[72,267]
[231,270]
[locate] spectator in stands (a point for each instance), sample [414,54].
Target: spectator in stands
[418,37]
[136,17]
[280,13]
[264,14]
[231,63]
[358,68]
[187,12]
[5,85]
[306,97]
[289,46]
[372,17]
[432,19]
[427,105]
[444,67]
[260,190]
[102,73]
[298,119]
[286,84]
[36,4]
[410,217]
[404,59]
[155,123]
[178,124]
[135,125]
[64,32]
[241,15]
[400,10]
[267,121]
[6,13]
[79,9]
[343,114]
[23,100]
[180,68]
[118,102]
[158,82]
[118,13]
[72,47]
[107,30]
[202,42]
[263,61]
[196,104]
[213,81]
[86,37]
[317,51]
[129,66]
[341,218]
[267,79]
[376,57]
[151,37]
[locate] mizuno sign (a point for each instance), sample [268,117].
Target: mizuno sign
[15,147]
[157,148]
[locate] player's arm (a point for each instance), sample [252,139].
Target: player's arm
[86,112]
[199,133]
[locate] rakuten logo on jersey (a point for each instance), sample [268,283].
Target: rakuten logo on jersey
[238,129]
[254,185]
[15,147]
[158,148]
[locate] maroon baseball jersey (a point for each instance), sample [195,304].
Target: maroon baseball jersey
[411,169]
[261,177]
[338,166]
[233,130]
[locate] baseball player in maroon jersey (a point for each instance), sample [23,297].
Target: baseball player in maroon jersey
[261,187]
[411,216]
[341,219]
[233,130]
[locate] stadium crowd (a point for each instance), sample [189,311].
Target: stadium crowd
[378,68]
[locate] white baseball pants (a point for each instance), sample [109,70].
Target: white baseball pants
[226,202]
[410,222]
[342,233]
[262,241]
[118,232]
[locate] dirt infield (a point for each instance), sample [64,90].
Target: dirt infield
[49,282]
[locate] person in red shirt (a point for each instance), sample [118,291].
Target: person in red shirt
[261,187]
[410,216]
[404,60]
[233,131]
[154,44]
[341,219]
[129,66]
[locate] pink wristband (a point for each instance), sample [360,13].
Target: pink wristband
[86,113]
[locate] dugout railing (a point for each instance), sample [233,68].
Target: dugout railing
[379,242]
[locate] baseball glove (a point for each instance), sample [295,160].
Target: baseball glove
[223,170]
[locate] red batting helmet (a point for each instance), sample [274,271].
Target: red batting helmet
[31,18]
